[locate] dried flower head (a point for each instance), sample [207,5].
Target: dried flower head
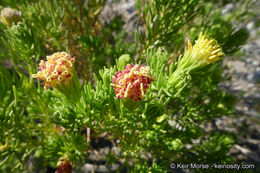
[57,70]
[64,166]
[9,15]
[132,82]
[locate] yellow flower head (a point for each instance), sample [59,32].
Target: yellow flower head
[206,51]
[57,70]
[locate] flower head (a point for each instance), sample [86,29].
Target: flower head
[64,166]
[56,70]
[206,51]
[132,82]
[9,16]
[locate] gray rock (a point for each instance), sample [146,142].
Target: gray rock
[89,168]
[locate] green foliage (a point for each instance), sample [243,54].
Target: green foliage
[22,44]
[167,124]
[162,23]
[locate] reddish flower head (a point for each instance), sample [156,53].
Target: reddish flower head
[57,70]
[132,82]
[64,166]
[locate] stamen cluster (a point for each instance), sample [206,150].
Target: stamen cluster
[205,50]
[132,82]
[58,69]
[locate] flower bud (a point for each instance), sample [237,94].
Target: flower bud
[9,16]
[132,82]
[178,80]
[176,144]
[58,72]
[123,61]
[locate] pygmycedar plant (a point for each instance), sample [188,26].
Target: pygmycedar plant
[155,104]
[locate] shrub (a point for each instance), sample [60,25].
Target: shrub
[154,100]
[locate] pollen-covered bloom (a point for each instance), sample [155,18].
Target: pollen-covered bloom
[58,72]
[132,82]
[205,51]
